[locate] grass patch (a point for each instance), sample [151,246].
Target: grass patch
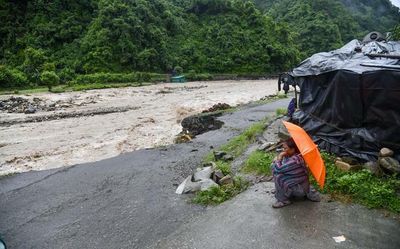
[259,162]
[24,91]
[225,167]
[217,195]
[237,145]
[281,111]
[361,187]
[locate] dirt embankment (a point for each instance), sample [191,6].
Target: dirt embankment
[47,131]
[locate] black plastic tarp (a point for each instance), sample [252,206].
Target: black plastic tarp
[351,109]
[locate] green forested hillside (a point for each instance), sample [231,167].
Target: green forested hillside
[322,25]
[66,39]
[88,36]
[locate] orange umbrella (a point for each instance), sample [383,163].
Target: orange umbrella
[309,151]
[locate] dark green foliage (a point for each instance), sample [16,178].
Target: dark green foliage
[11,77]
[396,33]
[79,37]
[119,78]
[88,37]
[49,79]
[193,76]
[323,25]
[178,70]
[362,186]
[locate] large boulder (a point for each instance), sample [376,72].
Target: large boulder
[389,164]
[374,168]
[385,152]
[346,166]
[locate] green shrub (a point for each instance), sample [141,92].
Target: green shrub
[49,79]
[259,162]
[12,77]
[362,186]
[107,78]
[281,111]
[178,70]
[49,66]
[143,77]
[198,77]
[224,167]
[67,75]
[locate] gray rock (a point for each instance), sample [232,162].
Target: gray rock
[217,176]
[374,168]
[390,164]
[207,184]
[349,160]
[385,152]
[226,180]
[265,145]
[346,166]
[218,155]
[203,173]
[227,157]
[30,110]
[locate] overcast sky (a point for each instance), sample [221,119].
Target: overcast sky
[396,3]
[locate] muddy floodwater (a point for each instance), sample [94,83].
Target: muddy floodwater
[79,127]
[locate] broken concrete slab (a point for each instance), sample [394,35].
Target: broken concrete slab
[203,173]
[188,186]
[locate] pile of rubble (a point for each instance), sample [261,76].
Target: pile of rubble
[217,107]
[206,177]
[386,164]
[22,105]
[29,106]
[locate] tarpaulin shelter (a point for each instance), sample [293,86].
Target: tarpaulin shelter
[350,98]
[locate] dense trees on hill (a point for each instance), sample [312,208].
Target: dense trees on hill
[322,25]
[41,41]
[81,37]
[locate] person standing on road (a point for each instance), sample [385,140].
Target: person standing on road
[291,176]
